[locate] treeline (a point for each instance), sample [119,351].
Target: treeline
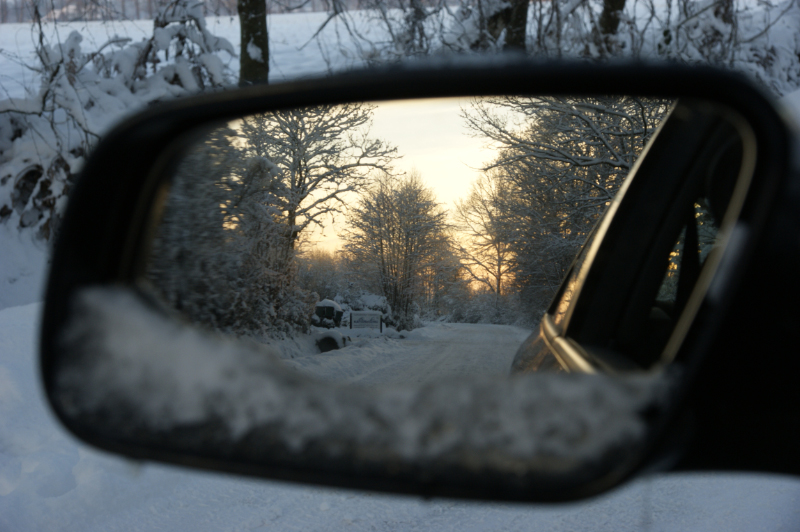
[81,87]
[560,162]
[399,244]
[103,10]
[499,257]
[230,252]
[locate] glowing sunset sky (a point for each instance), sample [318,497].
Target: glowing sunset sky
[431,137]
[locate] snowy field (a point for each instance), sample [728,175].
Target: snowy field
[49,481]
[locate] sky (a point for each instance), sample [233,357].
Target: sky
[430,136]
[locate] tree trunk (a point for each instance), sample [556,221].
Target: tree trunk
[609,18]
[499,272]
[293,234]
[254,57]
[516,26]
[513,19]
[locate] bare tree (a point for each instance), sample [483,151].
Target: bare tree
[584,147]
[486,251]
[561,161]
[394,232]
[320,271]
[321,153]
[444,283]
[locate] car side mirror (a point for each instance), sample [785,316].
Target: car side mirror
[179,326]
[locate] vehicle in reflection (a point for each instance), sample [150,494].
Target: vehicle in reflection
[327,313]
[683,204]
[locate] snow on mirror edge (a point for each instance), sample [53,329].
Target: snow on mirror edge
[169,374]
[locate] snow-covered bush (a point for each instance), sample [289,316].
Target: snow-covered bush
[485,307]
[485,25]
[222,254]
[45,136]
[758,38]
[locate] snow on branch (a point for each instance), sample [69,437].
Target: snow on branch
[45,138]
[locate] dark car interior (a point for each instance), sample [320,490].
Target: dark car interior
[677,242]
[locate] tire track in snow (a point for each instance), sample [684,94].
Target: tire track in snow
[446,351]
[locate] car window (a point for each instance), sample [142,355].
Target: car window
[663,236]
[561,303]
[705,229]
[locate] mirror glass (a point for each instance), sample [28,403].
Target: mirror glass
[361,288]
[391,242]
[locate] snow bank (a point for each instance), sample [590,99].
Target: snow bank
[387,332]
[329,303]
[23,266]
[329,340]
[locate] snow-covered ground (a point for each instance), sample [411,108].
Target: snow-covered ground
[23,263]
[437,351]
[49,481]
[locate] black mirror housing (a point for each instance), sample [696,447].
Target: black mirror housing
[721,394]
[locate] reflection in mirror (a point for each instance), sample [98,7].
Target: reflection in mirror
[356,282]
[391,242]
[631,295]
